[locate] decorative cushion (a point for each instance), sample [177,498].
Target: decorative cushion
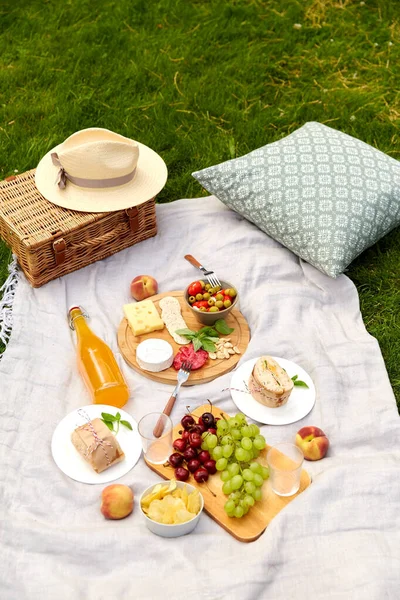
[320,192]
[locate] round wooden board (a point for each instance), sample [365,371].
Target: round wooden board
[240,337]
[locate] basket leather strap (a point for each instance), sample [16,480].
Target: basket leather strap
[133,216]
[59,248]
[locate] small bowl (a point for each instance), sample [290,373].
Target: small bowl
[208,318]
[171,531]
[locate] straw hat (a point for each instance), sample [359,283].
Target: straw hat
[96,170]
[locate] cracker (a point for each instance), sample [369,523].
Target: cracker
[172,317]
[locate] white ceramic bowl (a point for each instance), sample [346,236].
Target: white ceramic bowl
[172,530]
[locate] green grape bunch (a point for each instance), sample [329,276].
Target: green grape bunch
[235,448]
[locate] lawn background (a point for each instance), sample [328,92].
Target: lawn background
[205,81]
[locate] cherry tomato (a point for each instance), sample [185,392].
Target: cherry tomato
[201,304]
[194,288]
[227,298]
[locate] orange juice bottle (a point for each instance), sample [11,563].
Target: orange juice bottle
[97,364]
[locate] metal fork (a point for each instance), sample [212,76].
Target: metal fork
[209,275]
[183,375]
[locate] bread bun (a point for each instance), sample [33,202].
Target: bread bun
[269,383]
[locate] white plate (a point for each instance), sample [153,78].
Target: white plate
[300,402]
[68,459]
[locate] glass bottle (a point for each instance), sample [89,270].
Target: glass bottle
[97,364]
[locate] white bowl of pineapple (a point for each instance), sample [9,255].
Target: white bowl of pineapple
[171,509]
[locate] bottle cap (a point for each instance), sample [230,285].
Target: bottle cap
[74,306]
[72,319]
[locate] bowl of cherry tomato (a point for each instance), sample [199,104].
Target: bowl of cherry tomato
[209,303]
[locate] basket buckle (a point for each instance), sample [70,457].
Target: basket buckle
[133,216]
[59,248]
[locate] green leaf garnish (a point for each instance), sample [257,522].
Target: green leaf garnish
[222,327]
[206,336]
[298,382]
[197,344]
[208,345]
[209,331]
[107,417]
[109,420]
[185,332]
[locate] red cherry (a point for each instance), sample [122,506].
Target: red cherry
[187,421]
[199,428]
[201,475]
[208,420]
[190,453]
[204,456]
[181,474]
[212,430]
[193,465]
[176,459]
[210,466]
[179,444]
[185,435]
[195,440]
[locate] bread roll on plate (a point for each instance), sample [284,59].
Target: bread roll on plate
[269,384]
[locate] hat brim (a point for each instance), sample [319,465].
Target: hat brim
[150,177]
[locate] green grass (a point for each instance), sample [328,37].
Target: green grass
[205,81]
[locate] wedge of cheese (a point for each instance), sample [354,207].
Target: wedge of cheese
[143,317]
[269,384]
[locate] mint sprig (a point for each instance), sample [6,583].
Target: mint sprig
[109,420]
[298,382]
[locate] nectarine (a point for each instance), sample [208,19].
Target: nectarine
[143,286]
[116,501]
[313,442]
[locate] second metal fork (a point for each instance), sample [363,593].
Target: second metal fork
[209,275]
[183,376]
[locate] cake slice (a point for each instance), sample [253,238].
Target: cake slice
[100,448]
[269,383]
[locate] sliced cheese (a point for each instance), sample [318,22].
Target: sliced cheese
[143,317]
[154,355]
[172,317]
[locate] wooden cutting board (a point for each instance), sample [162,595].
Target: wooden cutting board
[240,337]
[252,525]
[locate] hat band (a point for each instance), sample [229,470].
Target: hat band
[63,176]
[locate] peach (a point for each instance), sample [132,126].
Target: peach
[143,286]
[313,442]
[116,501]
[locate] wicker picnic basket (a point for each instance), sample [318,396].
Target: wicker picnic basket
[50,241]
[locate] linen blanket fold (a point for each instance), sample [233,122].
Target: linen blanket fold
[339,539]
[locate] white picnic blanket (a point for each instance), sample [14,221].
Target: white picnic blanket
[339,539]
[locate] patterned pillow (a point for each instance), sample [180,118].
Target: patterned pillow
[321,193]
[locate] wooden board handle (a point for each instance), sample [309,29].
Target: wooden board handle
[192,260]
[159,428]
